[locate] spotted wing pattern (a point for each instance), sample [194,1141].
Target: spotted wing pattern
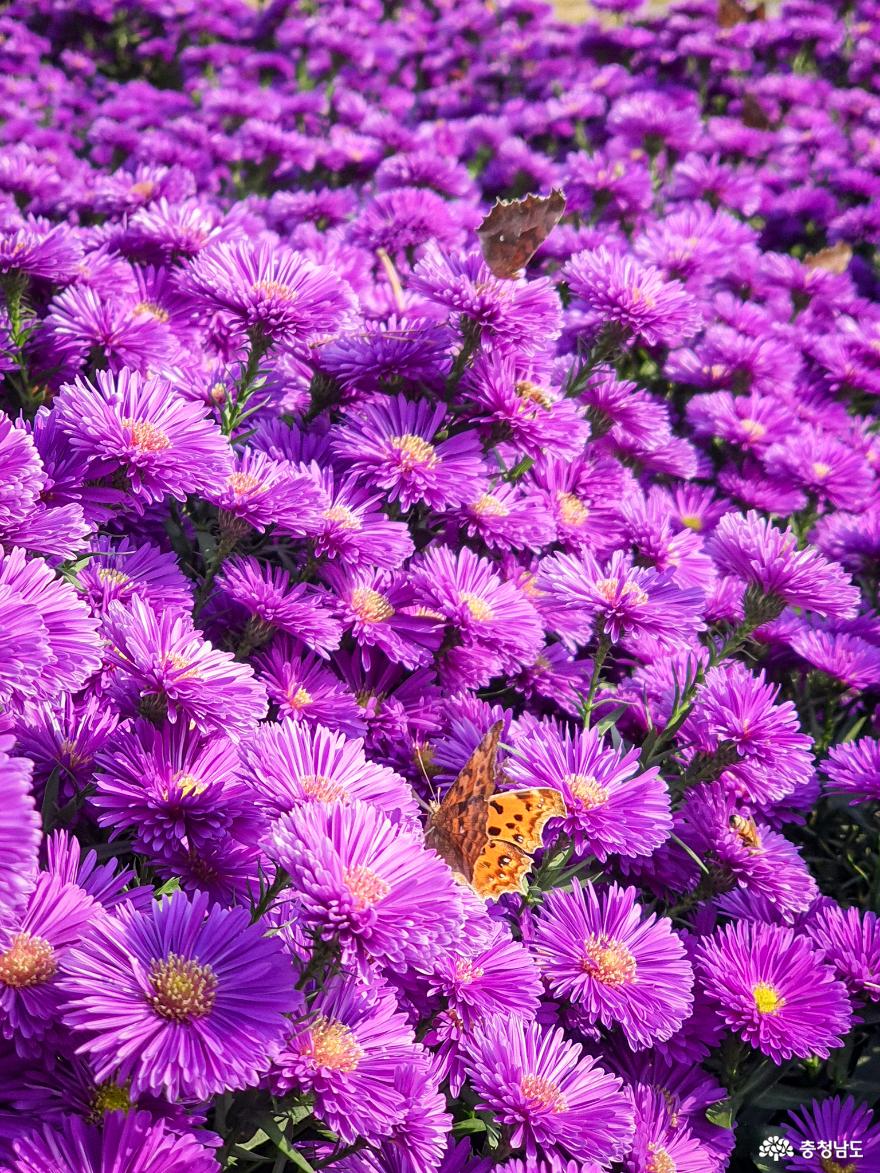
[514,230]
[488,837]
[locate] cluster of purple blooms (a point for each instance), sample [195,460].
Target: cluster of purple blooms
[298,499]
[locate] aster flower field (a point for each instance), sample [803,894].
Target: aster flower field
[304,499]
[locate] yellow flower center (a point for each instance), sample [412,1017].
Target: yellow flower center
[608,961]
[243,482]
[113,577]
[542,1093]
[149,309]
[414,452]
[109,1097]
[300,698]
[692,522]
[343,517]
[321,789]
[365,886]
[478,607]
[489,506]
[29,961]
[274,290]
[609,588]
[588,790]
[333,1045]
[753,428]
[767,999]
[571,509]
[183,990]
[188,783]
[146,437]
[660,1161]
[144,189]
[370,606]
[466,972]
[821,470]
[829,1165]
[182,665]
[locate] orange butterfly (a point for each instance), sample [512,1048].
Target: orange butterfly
[515,229]
[834,259]
[732,13]
[486,836]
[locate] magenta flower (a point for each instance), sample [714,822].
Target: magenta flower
[774,990]
[162,667]
[136,429]
[598,950]
[182,999]
[548,1093]
[366,883]
[20,830]
[393,443]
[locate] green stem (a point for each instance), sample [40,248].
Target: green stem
[235,409]
[470,343]
[602,650]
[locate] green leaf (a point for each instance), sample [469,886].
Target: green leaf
[470,1127]
[277,1137]
[172,885]
[723,1113]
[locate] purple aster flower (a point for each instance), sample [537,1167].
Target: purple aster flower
[393,443]
[745,851]
[380,609]
[104,882]
[849,940]
[119,331]
[633,299]
[37,248]
[548,1093]
[598,950]
[833,1134]
[823,465]
[774,990]
[737,723]
[39,609]
[404,219]
[294,763]
[584,497]
[612,807]
[503,390]
[845,658]
[23,478]
[171,785]
[618,601]
[136,429]
[496,627]
[164,668]
[33,944]
[769,559]
[305,689]
[661,1141]
[508,517]
[275,603]
[124,1141]
[388,354]
[20,830]
[269,289]
[262,492]
[854,769]
[368,884]
[117,570]
[352,527]
[494,975]
[183,999]
[521,315]
[349,1051]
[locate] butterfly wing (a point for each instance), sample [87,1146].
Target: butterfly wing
[519,817]
[514,230]
[514,830]
[457,828]
[834,259]
[499,868]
